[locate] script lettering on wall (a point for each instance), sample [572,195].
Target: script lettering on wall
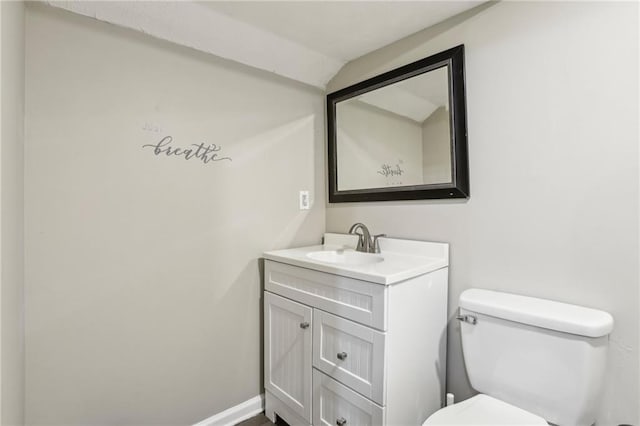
[386,170]
[392,174]
[206,153]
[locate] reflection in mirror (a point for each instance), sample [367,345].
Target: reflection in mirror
[396,135]
[401,135]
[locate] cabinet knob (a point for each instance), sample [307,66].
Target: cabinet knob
[342,356]
[341,421]
[304,325]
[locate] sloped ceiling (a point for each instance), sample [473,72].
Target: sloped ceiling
[307,41]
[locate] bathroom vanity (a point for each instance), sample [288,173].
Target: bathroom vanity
[355,338]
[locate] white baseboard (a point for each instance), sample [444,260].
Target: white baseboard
[235,415]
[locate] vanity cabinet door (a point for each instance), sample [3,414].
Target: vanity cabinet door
[287,357]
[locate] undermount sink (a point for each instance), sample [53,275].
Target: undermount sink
[345,257]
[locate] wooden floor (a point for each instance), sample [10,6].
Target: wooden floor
[261,420]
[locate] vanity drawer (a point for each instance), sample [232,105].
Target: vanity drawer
[350,353]
[336,404]
[357,300]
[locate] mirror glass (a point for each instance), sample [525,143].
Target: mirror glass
[396,135]
[401,135]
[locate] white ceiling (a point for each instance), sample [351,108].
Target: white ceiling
[308,41]
[343,30]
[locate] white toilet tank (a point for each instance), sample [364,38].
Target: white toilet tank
[543,356]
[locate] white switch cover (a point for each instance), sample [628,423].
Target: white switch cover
[305,203]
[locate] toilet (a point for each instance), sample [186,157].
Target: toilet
[534,361]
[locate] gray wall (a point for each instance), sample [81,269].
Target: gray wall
[142,276]
[552,91]
[11,213]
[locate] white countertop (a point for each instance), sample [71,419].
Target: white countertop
[402,259]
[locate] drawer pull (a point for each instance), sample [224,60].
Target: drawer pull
[342,356]
[341,421]
[304,325]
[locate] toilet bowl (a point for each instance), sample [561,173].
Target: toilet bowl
[534,361]
[483,410]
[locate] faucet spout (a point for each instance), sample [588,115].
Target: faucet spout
[364,240]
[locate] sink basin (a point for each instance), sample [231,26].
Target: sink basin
[345,257]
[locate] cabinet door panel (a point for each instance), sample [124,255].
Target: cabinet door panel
[287,358]
[335,404]
[351,353]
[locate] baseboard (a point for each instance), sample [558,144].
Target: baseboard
[235,415]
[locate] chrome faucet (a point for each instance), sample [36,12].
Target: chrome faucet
[366,242]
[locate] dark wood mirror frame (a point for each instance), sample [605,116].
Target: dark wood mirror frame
[459,187]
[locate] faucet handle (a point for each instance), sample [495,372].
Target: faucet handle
[376,243]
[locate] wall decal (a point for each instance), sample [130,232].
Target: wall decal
[206,154]
[387,170]
[150,127]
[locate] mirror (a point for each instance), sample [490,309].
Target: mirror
[401,135]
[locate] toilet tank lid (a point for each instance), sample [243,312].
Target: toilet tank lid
[542,313]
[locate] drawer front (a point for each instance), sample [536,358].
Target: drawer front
[335,404]
[357,300]
[350,353]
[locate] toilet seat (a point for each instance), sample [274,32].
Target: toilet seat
[483,410]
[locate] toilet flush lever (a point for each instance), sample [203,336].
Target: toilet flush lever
[468,319]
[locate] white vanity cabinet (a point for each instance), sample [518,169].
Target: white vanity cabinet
[345,351]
